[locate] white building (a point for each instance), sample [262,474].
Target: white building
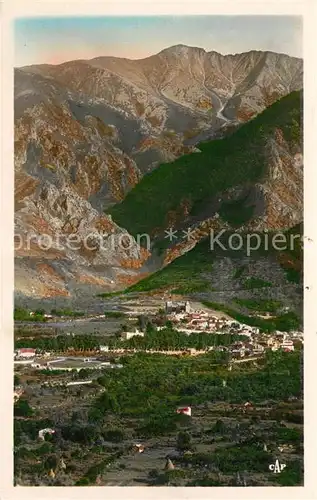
[129,335]
[42,433]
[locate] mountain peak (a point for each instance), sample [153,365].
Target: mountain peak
[181,50]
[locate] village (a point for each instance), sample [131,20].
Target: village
[189,321]
[183,318]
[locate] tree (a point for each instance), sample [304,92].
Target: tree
[219,427]
[150,328]
[39,312]
[51,462]
[183,441]
[143,321]
[22,409]
[114,435]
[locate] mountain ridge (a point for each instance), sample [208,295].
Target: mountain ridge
[168,48]
[89,133]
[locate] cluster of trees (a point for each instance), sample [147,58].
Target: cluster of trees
[67,312]
[169,339]
[151,386]
[61,342]
[166,339]
[114,314]
[21,314]
[229,459]
[29,428]
[22,408]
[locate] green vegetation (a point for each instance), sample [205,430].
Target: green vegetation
[109,294]
[293,275]
[22,408]
[61,342]
[234,160]
[183,441]
[238,273]
[236,212]
[67,312]
[114,314]
[188,274]
[251,282]
[159,340]
[29,428]
[292,259]
[114,435]
[92,473]
[170,339]
[260,306]
[292,475]
[151,386]
[229,460]
[285,322]
[21,314]
[185,272]
[139,402]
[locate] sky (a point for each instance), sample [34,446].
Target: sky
[54,40]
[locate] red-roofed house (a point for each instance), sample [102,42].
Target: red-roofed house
[184,410]
[26,352]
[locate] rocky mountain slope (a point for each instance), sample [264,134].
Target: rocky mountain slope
[236,278]
[250,183]
[87,131]
[249,180]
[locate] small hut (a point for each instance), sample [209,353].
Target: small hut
[184,410]
[138,447]
[62,464]
[169,465]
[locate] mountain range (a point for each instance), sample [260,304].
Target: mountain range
[120,146]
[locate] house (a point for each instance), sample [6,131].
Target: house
[18,391]
[258,349]
[287,345]
[42,433]
[247,406]
[184,410]
[129,335]
[139,448]
[176,307]
[26,352]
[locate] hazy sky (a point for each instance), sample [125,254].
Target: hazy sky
[55,40]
